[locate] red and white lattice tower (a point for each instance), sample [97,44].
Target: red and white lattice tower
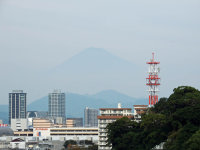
[153,81]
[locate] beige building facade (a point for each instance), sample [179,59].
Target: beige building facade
[109,115]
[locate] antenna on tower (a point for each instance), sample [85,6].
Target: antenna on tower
[153,56]
[153,81]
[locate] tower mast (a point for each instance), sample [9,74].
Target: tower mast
[153,81]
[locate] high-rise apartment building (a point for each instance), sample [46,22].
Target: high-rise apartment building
[57,106]
[17,110]
[109,115]
[90,117]
[17,105]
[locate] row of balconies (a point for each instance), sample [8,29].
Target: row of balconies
[115,112]
[102,139]
[102,143]
[74,131]
[102,129]
[102,126]
[102,146]
[106,121]
[102,134]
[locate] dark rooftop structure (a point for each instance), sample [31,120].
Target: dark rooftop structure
[6,131]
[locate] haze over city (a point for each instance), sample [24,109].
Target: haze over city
[38,36]
[99,74]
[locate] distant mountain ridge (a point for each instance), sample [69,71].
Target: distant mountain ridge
[4,113]
[76,103]
[113,96]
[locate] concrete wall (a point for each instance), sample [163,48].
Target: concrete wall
[18,124]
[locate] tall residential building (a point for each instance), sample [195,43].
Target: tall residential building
[17,105]
[57,106]
[109,115]
[90,117]
[17,110]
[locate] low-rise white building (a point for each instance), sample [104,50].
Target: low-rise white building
[74,133]
[18,144]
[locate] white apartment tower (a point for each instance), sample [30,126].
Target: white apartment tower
[57,106]
[109,115]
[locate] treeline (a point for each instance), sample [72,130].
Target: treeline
[79,145]
[173,122]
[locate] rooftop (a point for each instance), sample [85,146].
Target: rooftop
[114,108]
[140,105]
[113,117]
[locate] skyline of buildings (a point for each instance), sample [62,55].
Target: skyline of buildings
[56,125]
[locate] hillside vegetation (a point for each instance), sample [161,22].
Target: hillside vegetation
[174,121]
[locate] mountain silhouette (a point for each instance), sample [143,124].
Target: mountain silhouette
[76,103]
[95,69]
[94,60]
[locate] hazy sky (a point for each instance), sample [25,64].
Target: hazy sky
[36,35]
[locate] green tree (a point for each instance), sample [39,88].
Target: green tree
[161,107]
[173,121]
[194,142]
[93,147]
[178,139]
[154,129]
[69,142]
[123,134]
